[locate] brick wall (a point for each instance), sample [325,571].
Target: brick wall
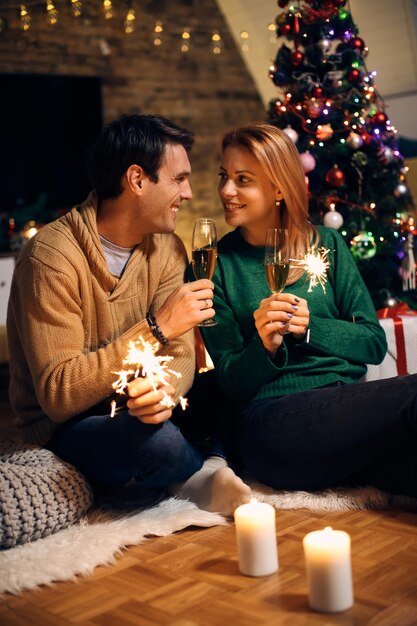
[205,92]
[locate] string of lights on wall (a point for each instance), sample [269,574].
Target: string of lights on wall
[52,11]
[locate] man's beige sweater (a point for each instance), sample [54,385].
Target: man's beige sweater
[70,321]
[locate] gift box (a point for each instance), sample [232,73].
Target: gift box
[400,326]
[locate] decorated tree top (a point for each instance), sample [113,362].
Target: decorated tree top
[328,104]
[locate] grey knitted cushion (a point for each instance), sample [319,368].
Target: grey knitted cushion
[39,493]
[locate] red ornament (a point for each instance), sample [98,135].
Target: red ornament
[317,91]
[367,138]
[354,75]
[297,58]
[335,177]
[285,28]
[379,118]
[357,43]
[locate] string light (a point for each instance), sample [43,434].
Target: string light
[216,43]
[51,13]
[25,18]
[244,44]
[129,22]
[108,9]
[157,33]
[185,40]
[76,8]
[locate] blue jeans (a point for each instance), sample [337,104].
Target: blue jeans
[362,434]
[112,451]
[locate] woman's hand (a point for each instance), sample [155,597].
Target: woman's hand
[145,403]
[279,315]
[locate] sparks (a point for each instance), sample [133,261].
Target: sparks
[142,359]
[316,266]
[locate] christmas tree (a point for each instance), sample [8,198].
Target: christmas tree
[329,105]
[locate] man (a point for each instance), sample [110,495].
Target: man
[106,273]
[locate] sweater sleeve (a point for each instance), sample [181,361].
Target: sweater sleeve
[47,331]
[242,366]
[354,333]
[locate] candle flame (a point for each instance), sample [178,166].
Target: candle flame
[143,361]
[316,266]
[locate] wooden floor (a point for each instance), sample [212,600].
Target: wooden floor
[192,579]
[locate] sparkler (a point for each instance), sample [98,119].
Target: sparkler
[143,361]
[316,266]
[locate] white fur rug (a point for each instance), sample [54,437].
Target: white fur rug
[79,549]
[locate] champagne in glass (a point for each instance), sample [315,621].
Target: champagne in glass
[204,253]
[277,258]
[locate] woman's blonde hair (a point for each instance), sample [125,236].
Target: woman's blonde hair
[279,158]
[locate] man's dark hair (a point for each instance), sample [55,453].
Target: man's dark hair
[132,139]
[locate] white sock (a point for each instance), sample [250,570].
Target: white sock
[215,487]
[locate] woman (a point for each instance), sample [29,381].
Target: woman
[292,361]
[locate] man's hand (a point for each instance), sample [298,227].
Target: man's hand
[186,307]
[145,403]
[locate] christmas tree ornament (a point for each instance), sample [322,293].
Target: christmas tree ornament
[385,155]
[279,78]
[297,58]
[357,43]
[379,119]
[354,141]
[354,75]
[315,108]
[400,190]
[335,177]
[285,28]
[359,159]
[333,219]
[308,161]
[317,91]
[292,134]
[324,132]
[324,45]
[408,265]
[363,246]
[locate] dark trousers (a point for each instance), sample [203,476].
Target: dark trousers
[361,434]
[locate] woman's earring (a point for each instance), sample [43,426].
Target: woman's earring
[277,203]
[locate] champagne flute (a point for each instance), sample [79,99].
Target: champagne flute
[277,258]
[204,253]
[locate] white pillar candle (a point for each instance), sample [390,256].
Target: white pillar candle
[329,570]
[256,538]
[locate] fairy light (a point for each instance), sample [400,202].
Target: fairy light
[129,22]
[244,43]
[108,9]
[142,361]
[76,8]
[158,30]
[216,43]
[316,265]
[185,40]
[25,18]
[51,13]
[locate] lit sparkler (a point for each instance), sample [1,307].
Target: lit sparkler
[143,361]
[316,266]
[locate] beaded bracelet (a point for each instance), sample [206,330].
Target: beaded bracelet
[155,330]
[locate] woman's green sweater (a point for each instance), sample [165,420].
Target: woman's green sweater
[344,335]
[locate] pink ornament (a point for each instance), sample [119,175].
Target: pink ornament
[308,161]
[292,134]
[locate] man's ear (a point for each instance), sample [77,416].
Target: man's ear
[134,178]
